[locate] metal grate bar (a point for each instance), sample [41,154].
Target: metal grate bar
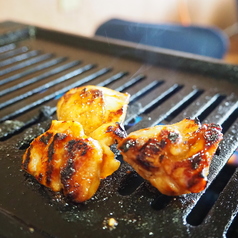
[38,78]
[161,93]
[19,58]
[130,82]
[157,96]
[197,106]
[7,48]
[225,200]
[182,103]
[37,68]
[161,113]
[34,115]
[112,79]
[25,64]
[14,52]
[142,88]
[223,111]
[59,92]
[205,109]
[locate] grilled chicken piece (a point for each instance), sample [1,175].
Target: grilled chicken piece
[92,106]
[173,158]
[108,135]
[63,158]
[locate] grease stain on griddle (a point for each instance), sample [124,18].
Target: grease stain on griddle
[8,126]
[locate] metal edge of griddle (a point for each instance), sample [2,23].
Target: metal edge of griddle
[147,54]
[151,55]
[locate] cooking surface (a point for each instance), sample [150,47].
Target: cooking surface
[36,70]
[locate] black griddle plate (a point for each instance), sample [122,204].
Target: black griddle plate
[37,66]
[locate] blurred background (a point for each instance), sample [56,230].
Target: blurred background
[83,17]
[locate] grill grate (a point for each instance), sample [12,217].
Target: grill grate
[36,71]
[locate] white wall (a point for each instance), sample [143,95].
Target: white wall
[83,16]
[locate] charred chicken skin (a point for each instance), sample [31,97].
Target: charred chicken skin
[107,135]
[93,106]
[74,154]
[173,158]
[63,158]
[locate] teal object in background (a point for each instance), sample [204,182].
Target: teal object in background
[204,41]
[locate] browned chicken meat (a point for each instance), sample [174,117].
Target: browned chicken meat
[74,154]
[93,106]
[173,158]
[107,135]
[63,158]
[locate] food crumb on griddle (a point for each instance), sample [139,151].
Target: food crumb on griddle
[110,223]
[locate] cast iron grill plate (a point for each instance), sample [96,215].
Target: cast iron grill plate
[37,66]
